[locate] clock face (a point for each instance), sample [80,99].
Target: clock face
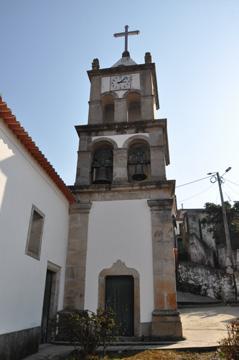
[120,82]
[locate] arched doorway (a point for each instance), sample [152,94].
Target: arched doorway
[116,284]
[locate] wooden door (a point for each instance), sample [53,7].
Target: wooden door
[119,296]
[46,306]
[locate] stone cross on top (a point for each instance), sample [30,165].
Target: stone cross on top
[126,33]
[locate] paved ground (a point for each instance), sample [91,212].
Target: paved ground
[202,327]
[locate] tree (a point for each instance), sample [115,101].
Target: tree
[213,219]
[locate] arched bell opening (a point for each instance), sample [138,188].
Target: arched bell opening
[108,108]
[139,161]
[102,164]
[134,106]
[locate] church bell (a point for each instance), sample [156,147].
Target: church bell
[139,173]
[102,175]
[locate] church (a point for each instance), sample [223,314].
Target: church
[118,216]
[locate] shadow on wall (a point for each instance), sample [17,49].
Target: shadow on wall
[7,159]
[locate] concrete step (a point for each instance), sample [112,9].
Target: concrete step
[186,298]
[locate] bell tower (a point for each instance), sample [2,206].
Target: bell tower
[121,237]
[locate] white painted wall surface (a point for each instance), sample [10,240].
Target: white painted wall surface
[120,139]
[22,278]
[120,230]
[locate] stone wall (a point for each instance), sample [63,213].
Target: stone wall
[206,281]
[19,344]
[196,242]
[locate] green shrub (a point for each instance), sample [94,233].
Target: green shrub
[229,347]
[86,329]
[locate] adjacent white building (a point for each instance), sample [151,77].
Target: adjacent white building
[34,207]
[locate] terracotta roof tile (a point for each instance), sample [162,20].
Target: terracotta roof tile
[16,128]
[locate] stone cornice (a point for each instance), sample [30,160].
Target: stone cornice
[80,207]
[146,124]
[161,204]
[150,190]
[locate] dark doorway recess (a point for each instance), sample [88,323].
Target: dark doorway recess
[47,306]
[119,296]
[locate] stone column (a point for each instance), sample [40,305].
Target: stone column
[76,256]
[83,172]
[95,108]
[95,112]
[147,107]
[121,111]
[120,174]
[166,321]
[157,160]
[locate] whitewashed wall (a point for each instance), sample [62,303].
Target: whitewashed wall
[120,230]
[22,278]
[120,139]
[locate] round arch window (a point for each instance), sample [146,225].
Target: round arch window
[138,162]
[102,164]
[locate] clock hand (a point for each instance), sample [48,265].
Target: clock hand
[122,80]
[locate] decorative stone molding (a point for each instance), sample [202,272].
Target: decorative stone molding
[166,324]
[120,269]
[160,204]
[126,191]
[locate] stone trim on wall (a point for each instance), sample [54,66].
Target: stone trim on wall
[76,256]
[130,191]
[165,317]
[120,269]
[55,288]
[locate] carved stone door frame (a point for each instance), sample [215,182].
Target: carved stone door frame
[120,269]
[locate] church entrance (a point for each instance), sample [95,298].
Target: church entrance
[119,297]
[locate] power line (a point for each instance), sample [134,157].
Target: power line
[232,182]
[229,198]
[192,182]
[193,196]
[232,189]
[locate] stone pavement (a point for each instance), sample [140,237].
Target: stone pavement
[203,327]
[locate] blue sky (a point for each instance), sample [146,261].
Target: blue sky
[47,46]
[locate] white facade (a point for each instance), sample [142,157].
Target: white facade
[23,183]
[120,140]
[120,230]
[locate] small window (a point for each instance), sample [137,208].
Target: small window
[35,233]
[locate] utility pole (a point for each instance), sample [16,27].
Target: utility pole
[216,177]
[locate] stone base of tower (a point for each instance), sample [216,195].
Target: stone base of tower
[166,324]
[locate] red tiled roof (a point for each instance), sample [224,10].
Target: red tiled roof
[16,128]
